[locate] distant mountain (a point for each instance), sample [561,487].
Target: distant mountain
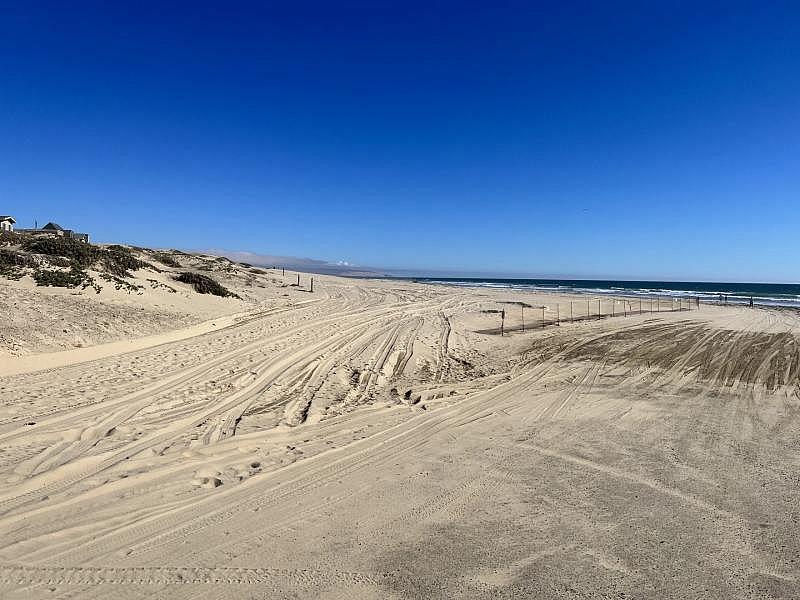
[293,263]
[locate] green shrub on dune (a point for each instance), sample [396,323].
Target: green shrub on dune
[118,260]
[13,264]
[80,253]
[167,259]
[203,284]
[67,279]
[115,259]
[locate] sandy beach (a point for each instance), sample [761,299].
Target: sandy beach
[367,441]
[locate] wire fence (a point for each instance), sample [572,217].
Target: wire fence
[521,316]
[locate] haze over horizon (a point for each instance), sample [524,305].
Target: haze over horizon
[621,140]
[311,265]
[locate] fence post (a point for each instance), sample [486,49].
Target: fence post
[298,279]
[522,306]
[312,285]
[543,317]
[599,316]
[558,314]
[502,321]
[570,311]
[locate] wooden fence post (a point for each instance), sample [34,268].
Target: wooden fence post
[523,316]
[312,285]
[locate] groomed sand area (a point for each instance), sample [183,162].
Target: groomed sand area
[364,441]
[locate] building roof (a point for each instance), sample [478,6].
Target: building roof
[53,226]
[7,218]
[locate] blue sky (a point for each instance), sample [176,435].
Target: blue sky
[602,139]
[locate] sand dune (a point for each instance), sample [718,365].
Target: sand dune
[364,441]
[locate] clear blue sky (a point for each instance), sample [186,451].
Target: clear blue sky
[598,139]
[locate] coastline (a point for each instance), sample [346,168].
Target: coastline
[768,295]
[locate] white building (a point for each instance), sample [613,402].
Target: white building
[7,223]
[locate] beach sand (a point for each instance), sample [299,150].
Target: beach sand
[365,441]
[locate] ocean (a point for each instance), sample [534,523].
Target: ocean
[764,294]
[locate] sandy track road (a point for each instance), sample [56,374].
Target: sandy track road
[58,463]
[647,456]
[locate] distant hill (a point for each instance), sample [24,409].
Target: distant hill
[306,265]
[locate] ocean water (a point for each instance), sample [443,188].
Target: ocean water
[764,294]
